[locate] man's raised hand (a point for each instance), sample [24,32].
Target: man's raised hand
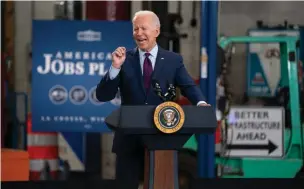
[118,57]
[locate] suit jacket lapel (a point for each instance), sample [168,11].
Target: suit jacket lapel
[159,63]
[138,70]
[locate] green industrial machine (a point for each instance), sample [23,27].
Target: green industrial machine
[291,164]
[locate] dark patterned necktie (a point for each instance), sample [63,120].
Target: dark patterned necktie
[147,71]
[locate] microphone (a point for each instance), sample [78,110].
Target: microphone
[158,90]
[172,91]
[171,94]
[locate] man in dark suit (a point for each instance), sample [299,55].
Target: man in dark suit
[131,73]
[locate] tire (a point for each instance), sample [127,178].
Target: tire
[187,169]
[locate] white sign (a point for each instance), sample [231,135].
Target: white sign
[269,55]
[255,132]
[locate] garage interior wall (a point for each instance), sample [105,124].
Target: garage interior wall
[235,18]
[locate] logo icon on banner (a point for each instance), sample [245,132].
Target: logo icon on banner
[58,94]
[93,97]
[169,117]
[78,95]
[88,35]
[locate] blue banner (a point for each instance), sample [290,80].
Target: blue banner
[69,59]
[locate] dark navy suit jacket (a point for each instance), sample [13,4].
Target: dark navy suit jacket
[169,68]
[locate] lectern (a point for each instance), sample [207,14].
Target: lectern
[164,129]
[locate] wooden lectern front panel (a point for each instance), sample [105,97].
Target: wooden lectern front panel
[164,169]
[160,170]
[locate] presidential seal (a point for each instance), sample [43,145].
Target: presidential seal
[169,117]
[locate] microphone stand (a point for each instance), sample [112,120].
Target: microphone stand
[171,94]
[159,91]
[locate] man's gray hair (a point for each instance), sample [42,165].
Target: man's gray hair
[147,12]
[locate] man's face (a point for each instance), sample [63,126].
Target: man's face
[145,32]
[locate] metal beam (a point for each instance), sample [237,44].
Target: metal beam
[206,143]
